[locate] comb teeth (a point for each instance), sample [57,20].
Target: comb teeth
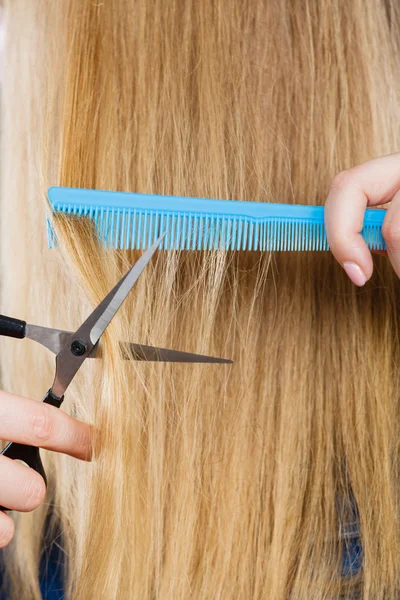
[298,228]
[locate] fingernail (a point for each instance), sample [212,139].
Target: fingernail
[355,273]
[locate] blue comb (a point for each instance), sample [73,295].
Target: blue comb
[134,221]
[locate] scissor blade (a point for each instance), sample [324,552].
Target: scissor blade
[151,353]
[53,339]
[88,334]
[101,317]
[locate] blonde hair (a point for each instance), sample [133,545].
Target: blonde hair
[208,481]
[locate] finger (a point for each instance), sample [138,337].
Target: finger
[38,424]
[379,178]
[344,219]
[7,529]
[391,232]
[21,488]
[369,184]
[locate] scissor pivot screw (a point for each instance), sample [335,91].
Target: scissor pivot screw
[78,348]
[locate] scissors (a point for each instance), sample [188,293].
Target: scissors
[73,348]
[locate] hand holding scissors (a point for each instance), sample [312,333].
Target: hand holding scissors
[50,428]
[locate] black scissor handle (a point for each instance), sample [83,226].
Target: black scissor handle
[12,327]
[30,454]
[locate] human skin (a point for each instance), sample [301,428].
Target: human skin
[35,424]
[373,183]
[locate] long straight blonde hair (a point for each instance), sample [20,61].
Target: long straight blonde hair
[208,481]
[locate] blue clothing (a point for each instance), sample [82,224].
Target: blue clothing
[352,557]
[51,578]
[51,569]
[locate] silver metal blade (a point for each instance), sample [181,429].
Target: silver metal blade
[88,334]
[53,339]
[106,311]
[151,353]
[141,352]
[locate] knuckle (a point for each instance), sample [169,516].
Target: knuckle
[342,179]
[391,233]
[33,493]
[6,531]
[43,423]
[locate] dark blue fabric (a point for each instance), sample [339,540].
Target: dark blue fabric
[51,569]
[51,578]
[352,557]
[350,535]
